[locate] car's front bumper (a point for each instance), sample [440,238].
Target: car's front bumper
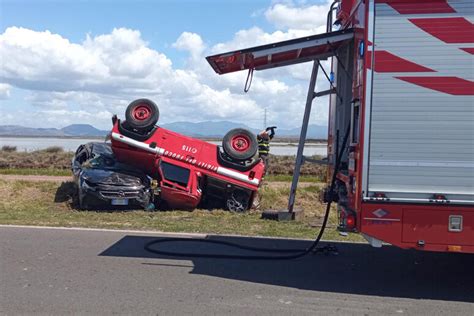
[110,196]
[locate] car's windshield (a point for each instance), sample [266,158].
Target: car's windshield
[100,156]
[100,162]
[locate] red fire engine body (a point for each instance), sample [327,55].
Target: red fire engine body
[189,171]
[402,85]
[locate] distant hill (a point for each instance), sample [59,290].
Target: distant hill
[83,130]
[201,129]
[204,129]
[17,130]
[75,130]
[314,131]
[218,129]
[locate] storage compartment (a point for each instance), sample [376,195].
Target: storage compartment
[433,226]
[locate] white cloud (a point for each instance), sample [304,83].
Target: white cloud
[87,82]
[289,16]
[4,91]
[256,36]
[104,73]
[192,43]
[114,62]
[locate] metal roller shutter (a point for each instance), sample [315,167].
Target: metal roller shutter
[422,115]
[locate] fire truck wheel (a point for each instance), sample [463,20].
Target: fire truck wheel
[240,144]
[142,115]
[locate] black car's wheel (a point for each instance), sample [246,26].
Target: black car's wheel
[81,200]
[142,115]
[240,144]
[83,204]
[237,202]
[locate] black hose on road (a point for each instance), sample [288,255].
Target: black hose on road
[292,253]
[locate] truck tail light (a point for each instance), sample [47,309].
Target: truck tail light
[347,219]
[350,221]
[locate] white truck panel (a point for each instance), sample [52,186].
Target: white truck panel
[421,139]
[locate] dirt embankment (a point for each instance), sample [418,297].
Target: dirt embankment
[285,165]
[41,159]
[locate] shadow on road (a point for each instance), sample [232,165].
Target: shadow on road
[357,269]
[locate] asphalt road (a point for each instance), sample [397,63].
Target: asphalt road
[54,271]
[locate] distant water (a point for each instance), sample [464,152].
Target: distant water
[71,144]
[37,143]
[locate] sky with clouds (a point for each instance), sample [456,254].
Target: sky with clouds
[65,62]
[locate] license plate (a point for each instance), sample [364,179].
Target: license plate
[120,202]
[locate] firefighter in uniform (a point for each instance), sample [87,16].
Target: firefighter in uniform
[264,138]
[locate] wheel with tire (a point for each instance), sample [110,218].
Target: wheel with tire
[237,202]
[142,115]
[81,200]
[240,144]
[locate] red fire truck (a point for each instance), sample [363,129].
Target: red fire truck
[401,115]
[189,172]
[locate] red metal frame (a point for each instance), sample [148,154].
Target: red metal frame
[279,54]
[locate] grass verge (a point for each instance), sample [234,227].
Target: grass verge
[49,204]
[67,172]
[289,178]
[36,172]
[55,161]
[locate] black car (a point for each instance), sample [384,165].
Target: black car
[104,183]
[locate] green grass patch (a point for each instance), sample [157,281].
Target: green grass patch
[67,172]
[49,204]
[289,178]
[37,172]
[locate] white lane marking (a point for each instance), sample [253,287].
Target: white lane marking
[197,235]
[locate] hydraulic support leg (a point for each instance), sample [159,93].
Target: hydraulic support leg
[304,130]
